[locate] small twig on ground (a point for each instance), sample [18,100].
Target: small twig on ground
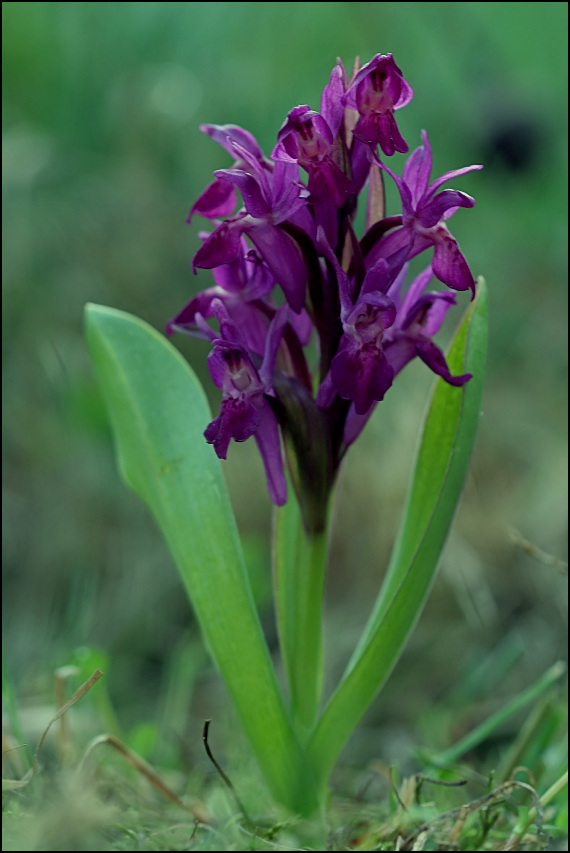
[225,778]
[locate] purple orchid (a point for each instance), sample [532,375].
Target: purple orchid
[306,138]
[360,371]
[242,285]
[219,198]
[245,410]
[345,293]
[424,212]
[376,91]
[270,198]
[419,317]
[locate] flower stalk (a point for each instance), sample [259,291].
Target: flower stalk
[300,559]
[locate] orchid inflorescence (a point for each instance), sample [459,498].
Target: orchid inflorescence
[347,292]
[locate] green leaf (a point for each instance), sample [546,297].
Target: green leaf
[440,470]
[158,412]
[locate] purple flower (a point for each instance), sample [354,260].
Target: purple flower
[230,135]
[332,107]
[219,198]
[424,212]
[377,90]
[245,410]
[241,285]
[360,371]
[270,198]
[306,138]
[419,317]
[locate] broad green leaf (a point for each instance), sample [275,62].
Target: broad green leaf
[440,470]
[158,412]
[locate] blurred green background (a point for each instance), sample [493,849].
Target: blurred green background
[102,159]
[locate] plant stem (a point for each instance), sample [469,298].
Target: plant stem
[299,571]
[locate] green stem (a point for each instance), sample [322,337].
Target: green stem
[299,572]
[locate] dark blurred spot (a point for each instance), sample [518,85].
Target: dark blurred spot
[512,145]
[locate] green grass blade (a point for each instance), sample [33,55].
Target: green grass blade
[158,412]
[440,470]
[485,729]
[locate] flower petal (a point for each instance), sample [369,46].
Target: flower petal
[284,258]
[428,312]
[447,200]
[218,199]
[361,375]
[455,173]
[228,134]
[255,202]
[332,109]
[289,195]
[431,355]
[449,264]
[222,246]
[328,181]
[238,419]
[381,128]
[417,170]
[413,292]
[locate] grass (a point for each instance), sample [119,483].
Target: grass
[93,792]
